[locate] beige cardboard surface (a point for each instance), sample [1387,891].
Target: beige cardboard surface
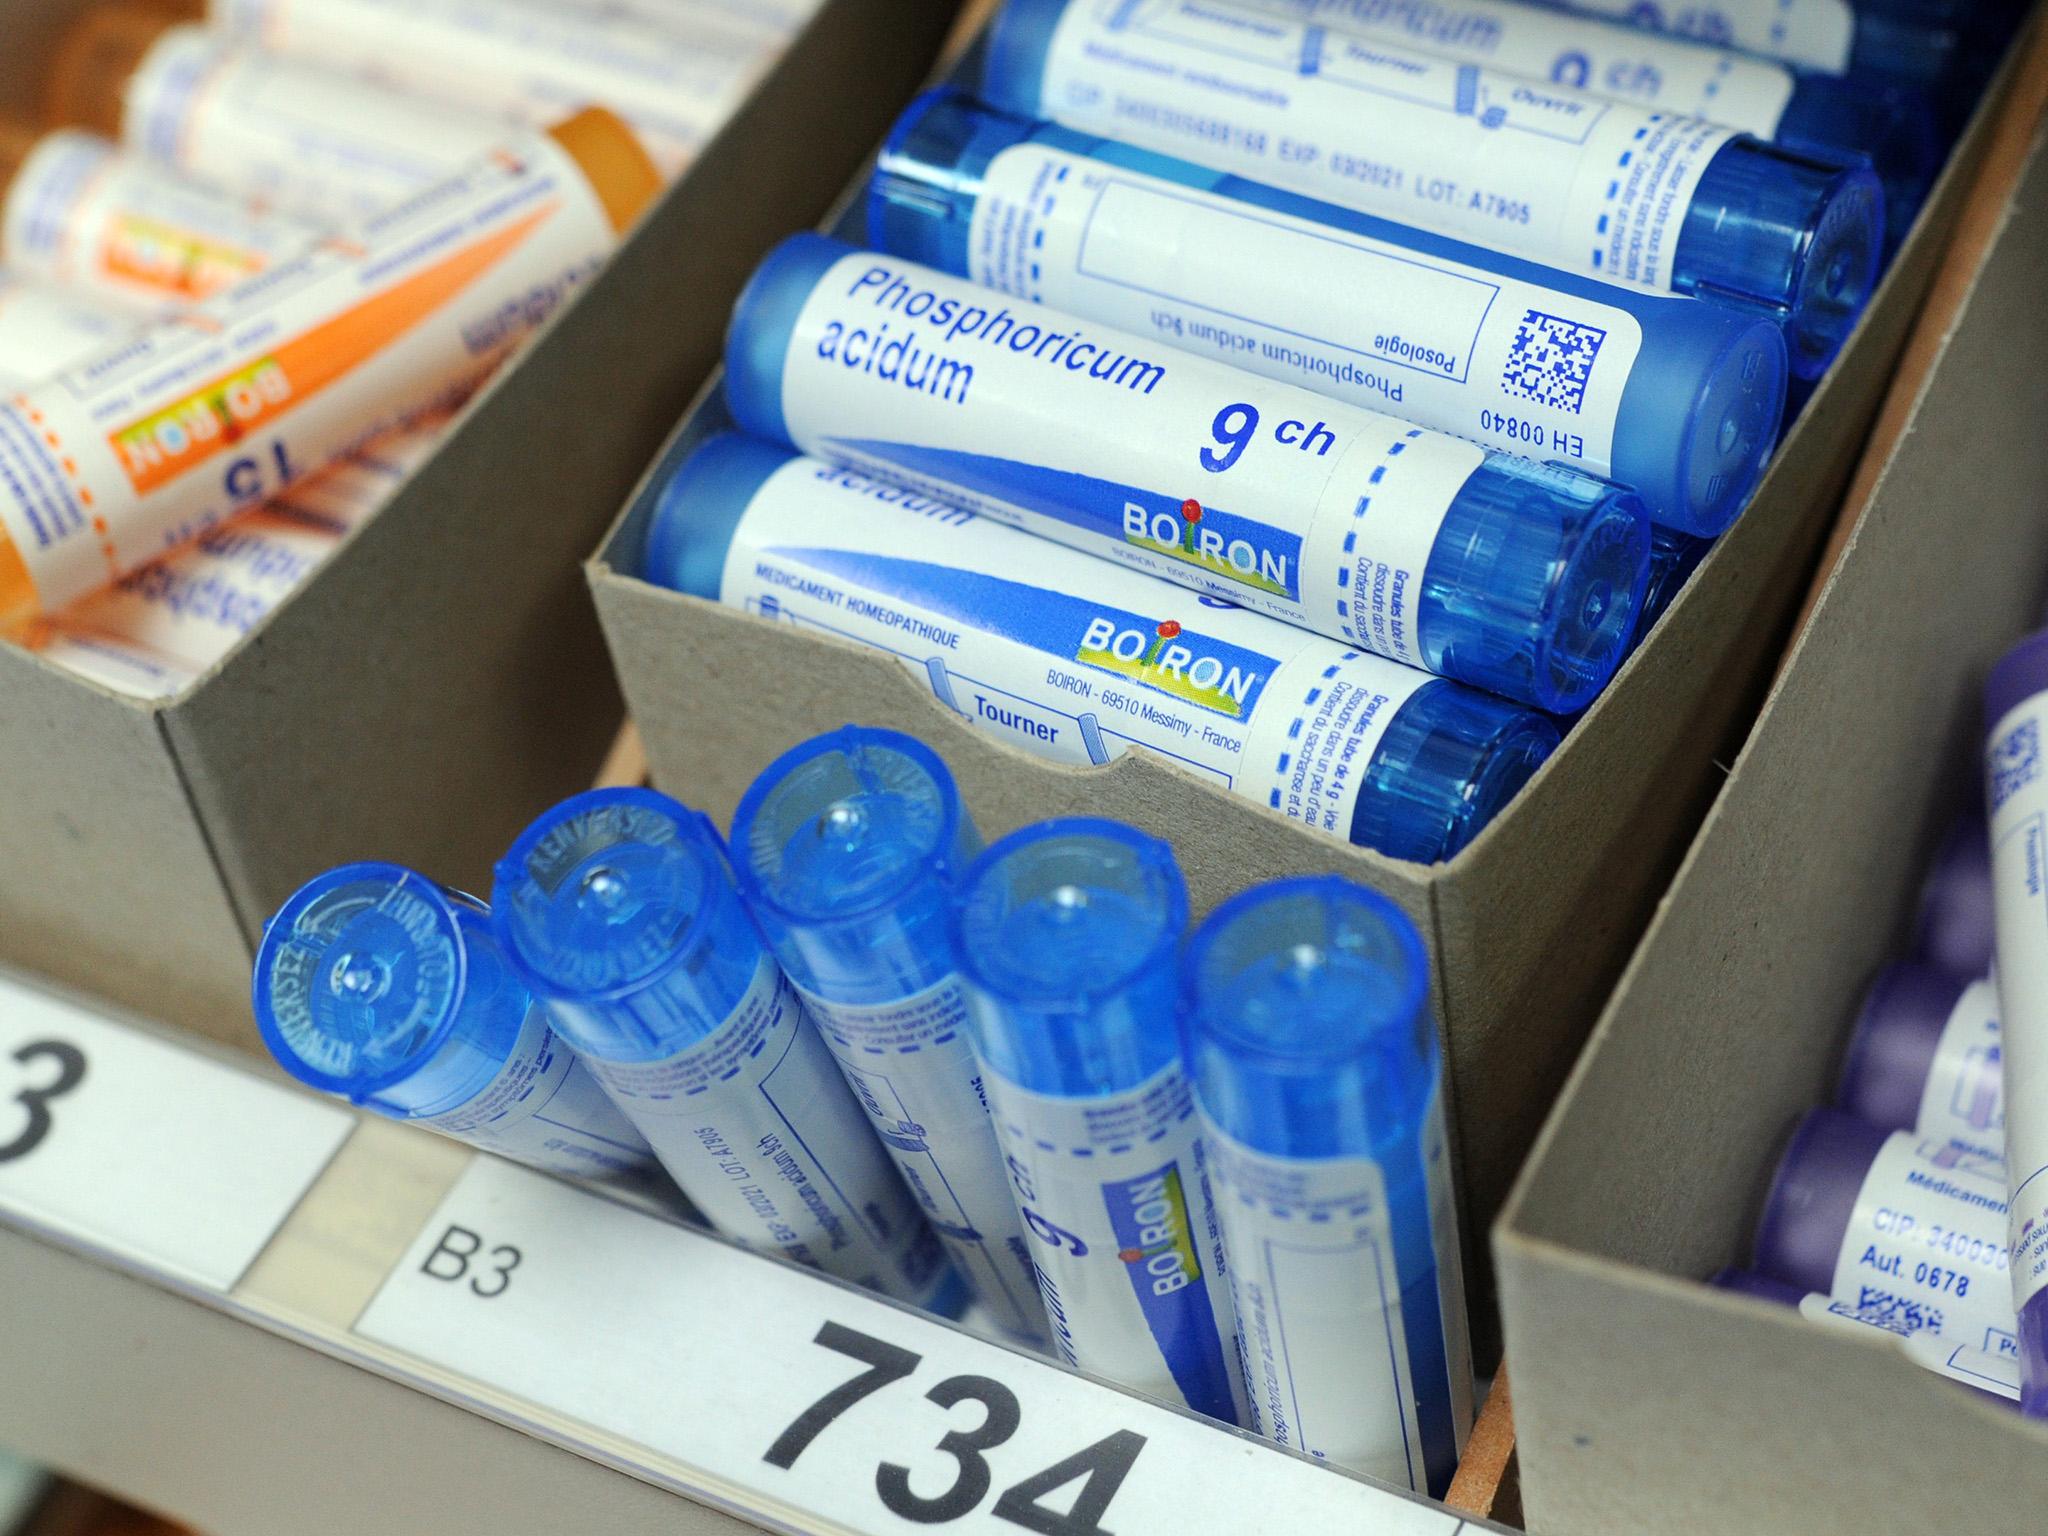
[443,679]
[1646,1402]
[1529,926]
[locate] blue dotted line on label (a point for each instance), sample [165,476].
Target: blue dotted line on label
[838,1039]
[1614,186]
[1294,726]
[1318,1217]
[1114,1149]
[1379,473]
[1045,208]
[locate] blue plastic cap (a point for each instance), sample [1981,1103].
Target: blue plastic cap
[1891,121]
[757,340]
[2018,675]
[1813,1198]
[1013,68]
[697,512]
[618,910]
[1308,1034]
[847,849]
[1067,935]
[1892,1050]
[1451,760]
[1747,1282]
[375,984]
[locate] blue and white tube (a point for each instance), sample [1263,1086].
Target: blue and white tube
[1317,1075]
[1680,401]
[848,848]
[1891,121]
[1519,578]
[2016,795]
[1068,934]
[378,986]
[1543,170]
[618,910]
[1076,659]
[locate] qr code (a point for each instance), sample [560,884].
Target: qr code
[1899,1314]
[1550,360]
[2015,761]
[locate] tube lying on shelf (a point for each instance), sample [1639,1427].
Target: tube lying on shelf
[1512,576]
[847,849]
[618,910]
[128,455]
[1548,172]
[76,209]
[1680,401]
[1076,659]
[1068,934]
[378,986]
[1316,1072]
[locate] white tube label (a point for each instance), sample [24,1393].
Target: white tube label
[1964,1099]
[1619,64]
[1318,513]
[1925,1249]
[1130,1257]
[1988,1372]
[81,212]
[1519,367]
[138,450]
[44,330]
[1316,1279]
[1545,171]
[171,621]
[755,1125]
[1815,34]
[532,64]
[1067,657]
[2018,797]
[910,1064]
[324,146]
[545,1110]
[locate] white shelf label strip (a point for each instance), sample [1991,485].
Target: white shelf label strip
[780,1392]
[158,1157]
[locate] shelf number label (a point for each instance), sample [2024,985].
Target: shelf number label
[50,1069]
[1100,1468]
[463,1255]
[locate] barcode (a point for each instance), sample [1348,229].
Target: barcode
[1550,360]
[2015,761]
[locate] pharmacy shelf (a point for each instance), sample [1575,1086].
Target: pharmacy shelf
[257,1313]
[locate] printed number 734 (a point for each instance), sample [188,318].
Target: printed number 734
[1104,1464]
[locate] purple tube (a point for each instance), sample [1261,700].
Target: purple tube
[1747,1282]
[1955,924]
[1927,1055]
[1907,1232]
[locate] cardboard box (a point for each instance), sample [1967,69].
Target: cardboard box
[1645,1401]
[1529,926]
[442,679]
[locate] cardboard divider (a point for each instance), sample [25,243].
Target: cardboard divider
[1528,927]
[442,678]
[1646,1401]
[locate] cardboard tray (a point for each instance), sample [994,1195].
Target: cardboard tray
[1528,927]
[1645,1401]
[442,679]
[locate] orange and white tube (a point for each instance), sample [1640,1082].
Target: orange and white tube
[137,450]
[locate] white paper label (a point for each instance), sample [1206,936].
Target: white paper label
[1964,1099]
[755,1125]
[44,330]
[155,1156]
[307,140]
[2018,797]
[1815,34]
[1515,366]
[1543,44]
[748,1384]
[1501,161]
[545,1110]
[1259,493]
[135,451]
[912,1067]
[1925,1250]
[1071,658]
[1999,1373]
[1116,1196]
[533,64]
[81,212]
